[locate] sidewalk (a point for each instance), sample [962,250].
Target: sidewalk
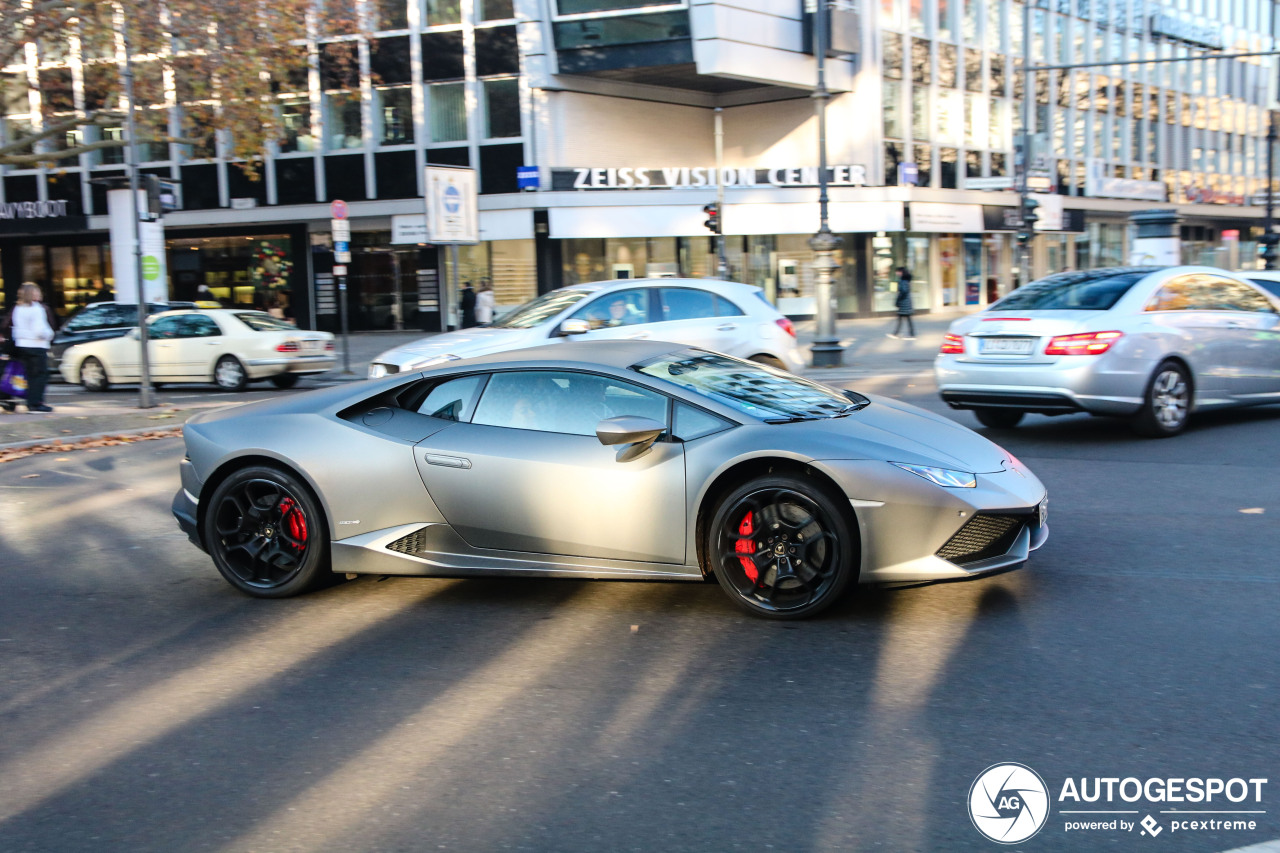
[76,415]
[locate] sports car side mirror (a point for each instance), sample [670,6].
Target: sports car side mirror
[637,433]
[573,327]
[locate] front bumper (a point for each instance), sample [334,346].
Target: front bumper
[186,504]
[914,531]
[1096,384]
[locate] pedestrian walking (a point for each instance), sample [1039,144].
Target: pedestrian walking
[467,305]
[484,304]
[904,306]
[31,325]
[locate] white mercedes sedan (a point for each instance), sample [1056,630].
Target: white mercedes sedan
[228,347]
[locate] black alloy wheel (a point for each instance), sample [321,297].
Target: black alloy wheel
[997,418]
[1166,404]
[266,534]
[781,548]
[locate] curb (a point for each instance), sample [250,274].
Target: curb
[71,442]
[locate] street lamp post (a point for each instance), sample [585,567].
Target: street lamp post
[1021,163]
[826,347]
[1269,236]
[146,394]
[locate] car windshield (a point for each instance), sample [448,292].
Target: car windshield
[1092,290]
[753,389]
[262,322]
[540,309]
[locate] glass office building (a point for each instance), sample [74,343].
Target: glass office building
[616,104]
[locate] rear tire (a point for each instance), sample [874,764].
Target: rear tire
[229,374]
[999,418]
[93,376]
[781,547]
[285,380]
[1166,404]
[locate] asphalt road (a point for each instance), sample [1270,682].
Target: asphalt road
[146,706]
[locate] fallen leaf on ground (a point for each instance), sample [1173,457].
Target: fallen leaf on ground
[29,476]
[91,444]
[1253,510]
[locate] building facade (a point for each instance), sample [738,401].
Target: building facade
[619,108]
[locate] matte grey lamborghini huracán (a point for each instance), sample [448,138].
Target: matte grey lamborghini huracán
[622,460]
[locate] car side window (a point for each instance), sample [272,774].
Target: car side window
[1237,296]
[725,308]
[685,303]
[166,328]
[199,326]
[1208,293]
[563,402]
[619,308]
[691,423]
[453,399]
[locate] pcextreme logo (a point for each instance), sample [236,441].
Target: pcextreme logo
[1009,803]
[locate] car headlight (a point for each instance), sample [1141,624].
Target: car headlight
[944,477]
[430,360]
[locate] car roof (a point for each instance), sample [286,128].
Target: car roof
[1268,275]
[616,354]
[712,284]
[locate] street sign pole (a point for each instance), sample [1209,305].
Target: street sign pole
[146,394]
[340,229]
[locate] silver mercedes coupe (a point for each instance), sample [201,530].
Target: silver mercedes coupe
[622,460]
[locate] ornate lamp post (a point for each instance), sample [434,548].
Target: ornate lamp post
[826,347]
[1269,237]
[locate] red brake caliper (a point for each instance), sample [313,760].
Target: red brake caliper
[295,522]
[746,545]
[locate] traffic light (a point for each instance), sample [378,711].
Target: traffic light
[1029,220]
[713,217]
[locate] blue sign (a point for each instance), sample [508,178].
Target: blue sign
[341,246]
[908,174]
[527,177]
[452,199]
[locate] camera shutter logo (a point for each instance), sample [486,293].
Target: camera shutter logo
[1008,803]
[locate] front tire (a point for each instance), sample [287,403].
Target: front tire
[229,374]
[93,376]
[265,533]
[1166,404]
[781,547]
[998,418]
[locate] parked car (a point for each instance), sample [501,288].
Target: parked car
[631,460]
[1152,344]
[100,320]
[716,315]
[228,347]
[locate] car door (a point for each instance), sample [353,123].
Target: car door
[1182,307]
[1251,339]
[198,347]
[688,315]
[527,473]
[164,336]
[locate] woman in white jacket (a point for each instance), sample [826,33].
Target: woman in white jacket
[31,329]
[484,304]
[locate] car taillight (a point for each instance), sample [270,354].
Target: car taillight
[952,345]
[287,346]
[329,347]
[786,326]
[1085,343]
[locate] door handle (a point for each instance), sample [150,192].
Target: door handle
[727,327]
[447,461]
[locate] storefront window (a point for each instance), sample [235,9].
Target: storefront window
[244,272]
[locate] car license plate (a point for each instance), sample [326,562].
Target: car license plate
[1006,346]
[312,346]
